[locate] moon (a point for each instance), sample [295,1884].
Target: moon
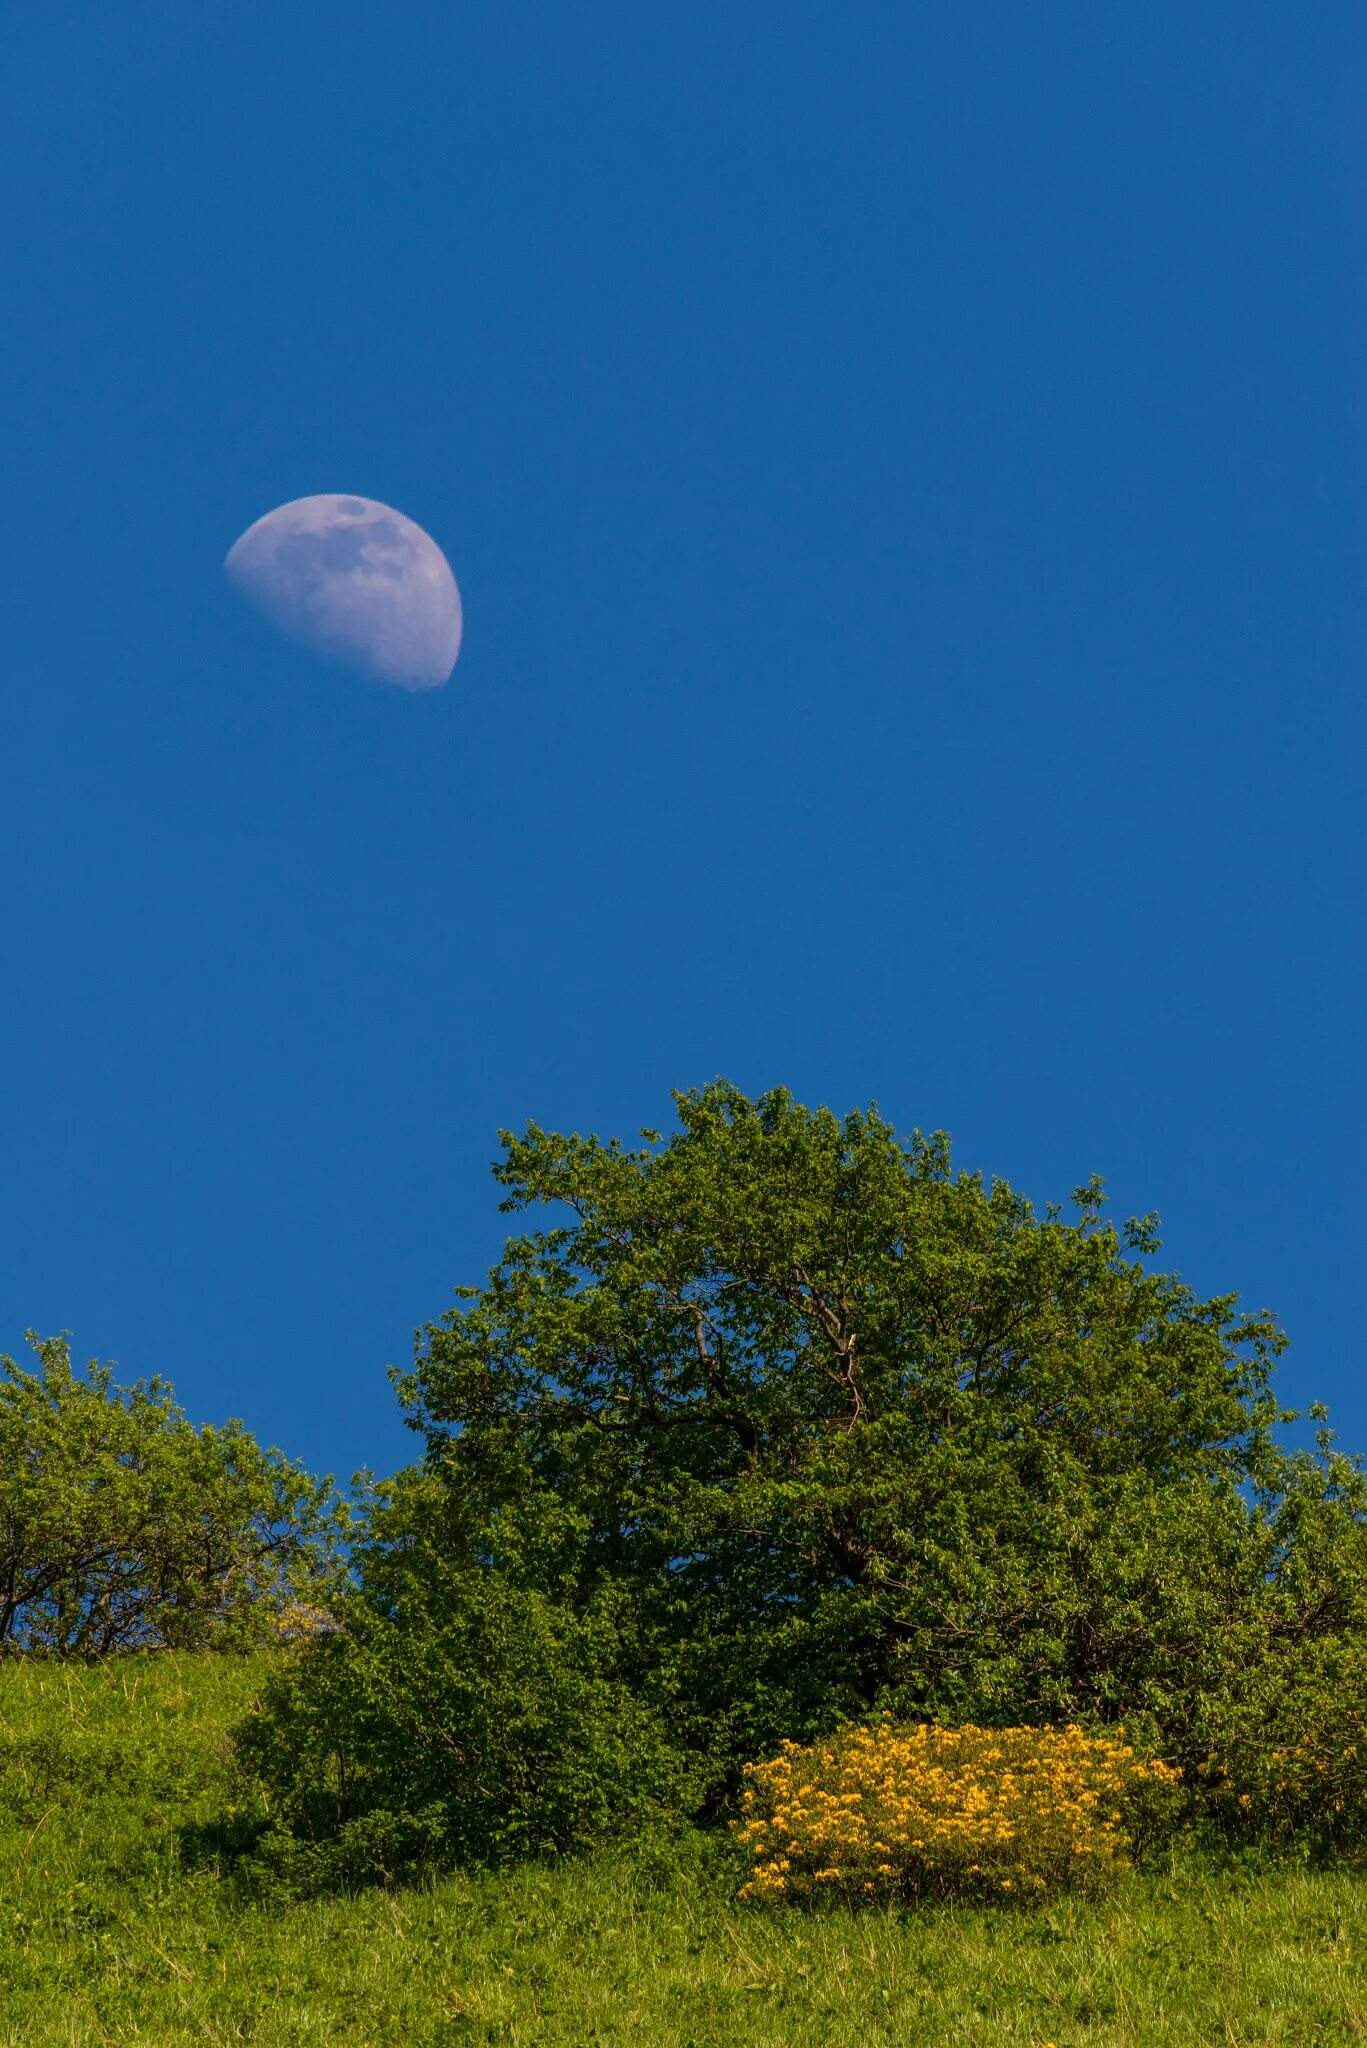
[354,581]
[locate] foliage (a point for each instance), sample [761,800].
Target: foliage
[117,1927]
[1283,1747]
[889,1812]
[458,1715]
[785,1422]
[122,1526]
[844,1428]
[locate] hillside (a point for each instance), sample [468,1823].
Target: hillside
[121,1927]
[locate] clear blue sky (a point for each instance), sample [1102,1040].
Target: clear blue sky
[904,465]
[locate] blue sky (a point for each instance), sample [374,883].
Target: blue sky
[904,469]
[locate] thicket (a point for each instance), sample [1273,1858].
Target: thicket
[125,1527]
[784,1424]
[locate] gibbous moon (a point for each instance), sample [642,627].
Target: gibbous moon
[357,582]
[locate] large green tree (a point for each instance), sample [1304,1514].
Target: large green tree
[850,1424]
[791,1421]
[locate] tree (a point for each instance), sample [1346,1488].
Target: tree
[122,1526]
[790,1422]
[848,1424]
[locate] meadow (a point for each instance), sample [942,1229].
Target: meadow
[122,1923]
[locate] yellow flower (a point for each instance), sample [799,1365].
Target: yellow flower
[919,1801]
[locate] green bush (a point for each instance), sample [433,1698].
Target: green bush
[458,1716]
[1281,1748]
[124,1527]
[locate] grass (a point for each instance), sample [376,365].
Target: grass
[114,1927]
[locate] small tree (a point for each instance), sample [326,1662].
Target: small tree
[122,1526]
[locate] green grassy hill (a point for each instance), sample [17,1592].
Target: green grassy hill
[117,1926]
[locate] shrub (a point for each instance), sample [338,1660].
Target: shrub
[123,1526]
[1278,1751]
[1292,1765]
[895,1812]
[456,1716]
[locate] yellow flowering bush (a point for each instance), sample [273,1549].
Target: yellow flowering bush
[895,1811]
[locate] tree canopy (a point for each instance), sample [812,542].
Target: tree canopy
[123,1526]
[789,1422]
[843,1418]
